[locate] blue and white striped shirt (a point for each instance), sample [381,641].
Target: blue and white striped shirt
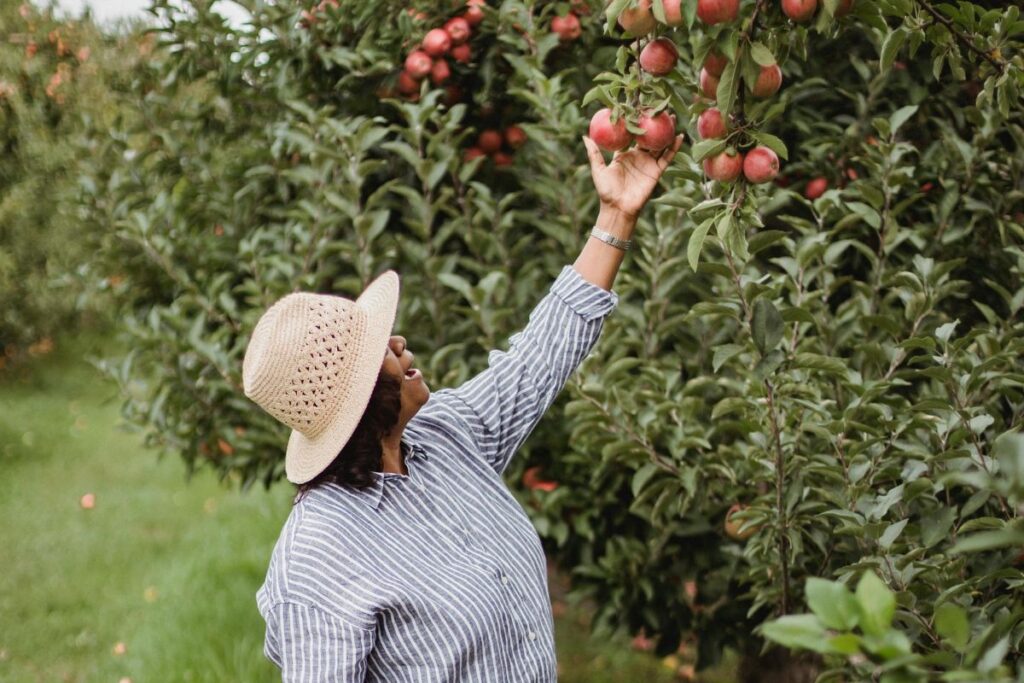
[438,575]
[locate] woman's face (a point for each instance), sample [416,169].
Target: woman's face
[397,362]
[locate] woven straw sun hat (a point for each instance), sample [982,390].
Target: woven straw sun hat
[312,363]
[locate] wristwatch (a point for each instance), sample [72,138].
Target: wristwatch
[611,239]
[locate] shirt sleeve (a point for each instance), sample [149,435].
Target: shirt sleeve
[500,406]
[308,645]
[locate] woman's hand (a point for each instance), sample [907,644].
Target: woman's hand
[627,182]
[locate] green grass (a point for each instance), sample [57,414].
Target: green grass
[169,569]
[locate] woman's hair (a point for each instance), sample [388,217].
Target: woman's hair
[362,455]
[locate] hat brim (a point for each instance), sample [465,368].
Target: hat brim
[305,458]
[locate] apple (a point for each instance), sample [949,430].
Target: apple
[659,131]
[462,53]
[851,173]
[473,14]
[472,153]
[88,501]
[437,42]
[418,16]
[440,72]
[501,159]
[489,141]
[642,643]
[769,80]
[532,480]
[715,63]
[710,124]
[732,526]
[725,166]
[659,57]
[638,21]
[608,136]
[515,137]
[673,12]
[844,8]
[799,10]
[567,27]
[407,84]
[760,164]
[458,30]
[708,84]
[717,11]
[418,64]
[815,188]
[927,187]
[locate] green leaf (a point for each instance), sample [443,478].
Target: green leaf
[724,353]
[989,540]
[951,623]
[936,526]
[766,325]
[761,54]
[833,603]
[726,92]
[693,247]
[943,332]
[890,47]
[891,533]
[802,631]
[876,603]
[901,116]
[995,655]
[706,148]
[773,143]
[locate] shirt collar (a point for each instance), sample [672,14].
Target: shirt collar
[372,495]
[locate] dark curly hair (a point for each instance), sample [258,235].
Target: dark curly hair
[362,454]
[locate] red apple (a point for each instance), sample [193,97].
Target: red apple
[815,188]
[462,53]
[851,173]
[673,12]
[638,21]
[458,30]
[799,10]
[532,480]
[88,501]
[501,159]
[472,153]
[659,57]
[608,136]
[725,166]
[436,42]
[567,27]
[717,11]
[768,81]
[715,63]
[489,141]
[708,84]
[659,131]
[760,165]
[473,14]
[710,124]
[440,72]
[844,8]
[407,84]
[418,64]
[515,137]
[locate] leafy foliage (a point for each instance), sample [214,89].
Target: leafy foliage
[847,367]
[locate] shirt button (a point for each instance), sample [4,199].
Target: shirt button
[504,580]
[532,635]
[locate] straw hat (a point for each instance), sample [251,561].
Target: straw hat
[312,363]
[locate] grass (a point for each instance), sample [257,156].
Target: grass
[169,570]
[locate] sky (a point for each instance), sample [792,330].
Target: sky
[110,10]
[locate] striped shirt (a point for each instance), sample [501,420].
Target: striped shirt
[437,575]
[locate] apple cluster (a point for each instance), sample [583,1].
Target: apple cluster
[490,142]
[568,26]
[429,58]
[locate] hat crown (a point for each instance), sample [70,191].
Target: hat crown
[301,357]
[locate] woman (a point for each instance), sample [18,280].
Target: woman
[405,557]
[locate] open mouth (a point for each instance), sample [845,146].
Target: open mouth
[413,373]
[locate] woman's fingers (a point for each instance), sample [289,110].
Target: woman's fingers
[594,154]
[666,158]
